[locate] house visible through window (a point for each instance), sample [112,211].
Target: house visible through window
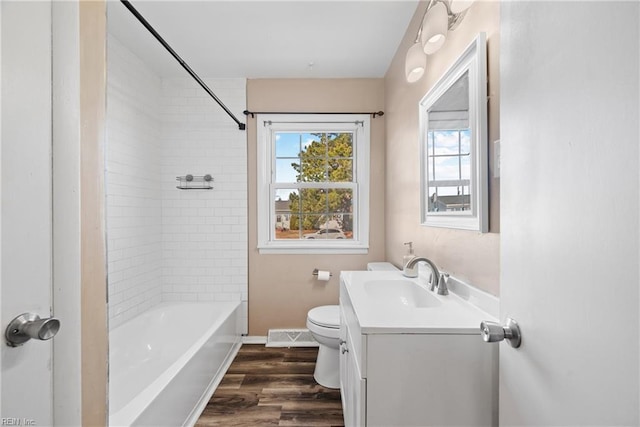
[313,182]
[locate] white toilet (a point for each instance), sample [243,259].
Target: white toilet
[324,324]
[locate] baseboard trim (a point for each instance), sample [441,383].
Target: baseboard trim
[254,340]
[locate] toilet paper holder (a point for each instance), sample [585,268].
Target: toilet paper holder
[315,272]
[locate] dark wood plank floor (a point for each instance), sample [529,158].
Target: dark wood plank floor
[273,387]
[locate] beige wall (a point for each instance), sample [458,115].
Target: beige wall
[93,270]
[470,256]
[281,287]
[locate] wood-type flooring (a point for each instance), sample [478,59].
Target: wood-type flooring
[272,387]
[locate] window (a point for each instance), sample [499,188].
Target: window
[313,183]
[449,168]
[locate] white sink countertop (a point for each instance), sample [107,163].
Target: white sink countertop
[387,302]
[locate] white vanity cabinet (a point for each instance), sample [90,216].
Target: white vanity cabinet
[393,377]
[353,386]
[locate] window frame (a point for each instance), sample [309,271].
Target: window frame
[267,125]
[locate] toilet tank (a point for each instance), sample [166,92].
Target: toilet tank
[381,266]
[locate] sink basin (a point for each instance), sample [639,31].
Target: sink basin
[386,302]
[400,293]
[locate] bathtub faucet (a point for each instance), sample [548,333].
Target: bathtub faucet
[438,280]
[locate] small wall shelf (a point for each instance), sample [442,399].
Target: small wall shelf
[194,182]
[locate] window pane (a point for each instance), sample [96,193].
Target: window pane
[310,225]
[324,157]
[287,144]
[285,199]
[447,168]
[347,226]
[313,200]
[287,170]
[466,167]
[340,145]
[312,213]
[442,191]
[443,199]
[286,196]
[430,143]
[465,141]
[340,170]
[286,203]
[340,200]
[327,228]
[313,145]
[446,142]
[290,229]
[314,170]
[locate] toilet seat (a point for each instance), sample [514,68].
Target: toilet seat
[326,316]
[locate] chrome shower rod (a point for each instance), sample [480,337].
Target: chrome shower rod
[184,65]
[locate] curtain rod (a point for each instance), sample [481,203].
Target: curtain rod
[253,113]
[155,34]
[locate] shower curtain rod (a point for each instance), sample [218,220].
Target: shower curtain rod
[253,113]
[155,34]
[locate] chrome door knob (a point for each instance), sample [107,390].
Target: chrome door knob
[28,326]
[495,332]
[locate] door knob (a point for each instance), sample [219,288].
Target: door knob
[29,325]
[495,332]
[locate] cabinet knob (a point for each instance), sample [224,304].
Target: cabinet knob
[342,341]
[345,350]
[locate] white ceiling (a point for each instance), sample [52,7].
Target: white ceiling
[265,38]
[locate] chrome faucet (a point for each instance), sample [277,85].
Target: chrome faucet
[438,280]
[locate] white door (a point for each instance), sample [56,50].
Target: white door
[569,212]
[25,206]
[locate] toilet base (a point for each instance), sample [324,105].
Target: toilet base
[327,372]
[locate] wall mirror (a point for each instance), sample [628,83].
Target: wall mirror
[453,145]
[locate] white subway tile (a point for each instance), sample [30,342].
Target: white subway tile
[166,244]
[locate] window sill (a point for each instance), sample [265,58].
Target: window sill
[289,249]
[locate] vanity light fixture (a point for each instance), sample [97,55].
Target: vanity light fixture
[415,63]
[434,28]
[440,17]
[459,6]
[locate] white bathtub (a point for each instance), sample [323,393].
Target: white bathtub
[165,364]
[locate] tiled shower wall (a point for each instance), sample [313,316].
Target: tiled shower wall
[204,232]
[167,244]
[134,222]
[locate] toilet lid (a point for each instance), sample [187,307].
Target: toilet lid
[326,315]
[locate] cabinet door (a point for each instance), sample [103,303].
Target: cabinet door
[453,382]
[353,387]
[357,394]
[344,372]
